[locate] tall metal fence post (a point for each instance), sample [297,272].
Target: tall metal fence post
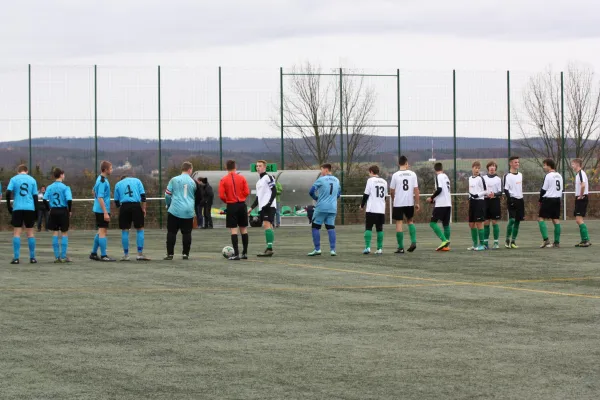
[508,108]
[220,125]
[454,130]
[281,114]
[96,120]
[562,135]
[160,171]
[342,141]
[398,113]
[29,101]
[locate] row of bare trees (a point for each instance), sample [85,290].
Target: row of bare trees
[541,123]
[313,102]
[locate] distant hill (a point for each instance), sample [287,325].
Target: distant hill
[384,143]
[77,154]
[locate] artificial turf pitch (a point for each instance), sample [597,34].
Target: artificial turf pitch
[505,324]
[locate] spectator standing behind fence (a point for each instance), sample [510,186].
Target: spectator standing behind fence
[199,204]
[42,212]
[208,197]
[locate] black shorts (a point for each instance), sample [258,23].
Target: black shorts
[442,214]
[59,219]
[550,208]
[516,209]
[23,217]
[131,213]
[493,210]
[399,213]
[267,215]
[237,215]
[476,210]
[176,224]
[100,222]
[581,207]
[374,219]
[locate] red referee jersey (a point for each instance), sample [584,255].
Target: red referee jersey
[233,188]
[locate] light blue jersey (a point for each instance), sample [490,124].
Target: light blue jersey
[57,195]
[23,188]
[181,197]
[326,190]
[101,191]
[129,190]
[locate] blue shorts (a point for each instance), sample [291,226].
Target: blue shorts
[326,218]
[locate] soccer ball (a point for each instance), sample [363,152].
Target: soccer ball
[228,251]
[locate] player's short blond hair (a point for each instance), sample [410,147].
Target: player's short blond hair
[578,161]
[263,162]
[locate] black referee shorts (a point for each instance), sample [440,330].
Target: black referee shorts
[237,215]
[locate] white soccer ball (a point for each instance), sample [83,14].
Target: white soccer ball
[228,251]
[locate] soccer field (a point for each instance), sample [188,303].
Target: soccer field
[505,324]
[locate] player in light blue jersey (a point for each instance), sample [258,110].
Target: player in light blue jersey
[130,197]
[181,200]
[102,211]
[23,189]
[326,191]
[58,200]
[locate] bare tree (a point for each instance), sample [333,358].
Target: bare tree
[311,117]
[541,124]
[358,107]
[308,112]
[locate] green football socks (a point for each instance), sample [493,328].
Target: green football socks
[379,240]
[400,239]
[543,229]
[368,236]
[412,229]
[270,237]
[438,231]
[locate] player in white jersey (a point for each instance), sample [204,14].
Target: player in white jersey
[404,190]
[493,212]
[442,209]
[477,193]
[550,196]
[513,189]
[374,200]
[582,188]
[266,194]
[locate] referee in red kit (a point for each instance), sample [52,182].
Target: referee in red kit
[233,190]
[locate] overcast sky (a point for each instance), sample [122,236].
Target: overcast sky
[377,35]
